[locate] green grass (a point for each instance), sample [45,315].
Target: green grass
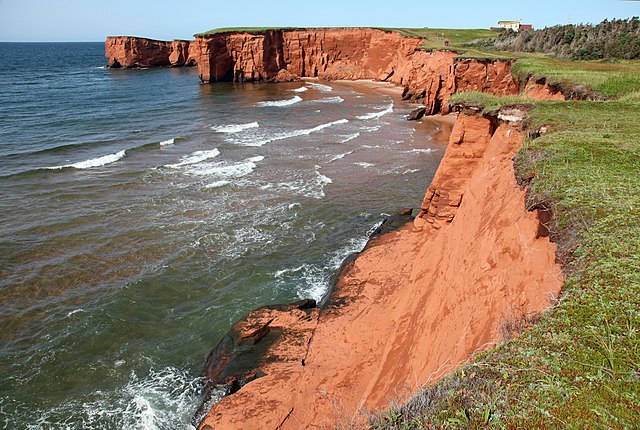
[251,30]
[611,78]
[489,101]
[464,41]
[579,366]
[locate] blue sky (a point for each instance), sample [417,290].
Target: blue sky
[93,20]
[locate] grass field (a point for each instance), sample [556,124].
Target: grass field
[579,366]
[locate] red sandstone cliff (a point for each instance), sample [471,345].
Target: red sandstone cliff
[331,54]
[415,304]
[430,77]
[130,52]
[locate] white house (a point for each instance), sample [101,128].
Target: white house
[514,25]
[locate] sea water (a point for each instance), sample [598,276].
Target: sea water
[142,213]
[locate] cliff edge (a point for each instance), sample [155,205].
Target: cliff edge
[416,303]
[428,77]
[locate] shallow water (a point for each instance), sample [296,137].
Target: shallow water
[142,213]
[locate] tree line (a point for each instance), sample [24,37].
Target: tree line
[614,39]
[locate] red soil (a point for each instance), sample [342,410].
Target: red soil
[417,302]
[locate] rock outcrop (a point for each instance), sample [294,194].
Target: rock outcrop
[134,52]
[429,77]
[418,301]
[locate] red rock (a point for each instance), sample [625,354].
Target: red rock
[416,303]
[430,77]
[131,52]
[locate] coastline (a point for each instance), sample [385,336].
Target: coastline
[383,347]
[401,315]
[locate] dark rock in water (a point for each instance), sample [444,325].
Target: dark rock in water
[394,222]
[417,114]
[253,343]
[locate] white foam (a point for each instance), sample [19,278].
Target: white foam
[425,150]
[295,133]
[94,162]
[335,100]
[300,90]
[350,137]
[375,115]
[218,184]
[234,128]
[315,279]
[75,311]
[365,165]
[195,158]
[410,171]
[339,156]
[164,399]
[320,87]
[321,181]
[371,129]
[224,170]
[280,103]
[168,142]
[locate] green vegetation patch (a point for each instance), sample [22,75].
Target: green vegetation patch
[613,79]
[436,37]
[619,38]
[251,30]
[579,366]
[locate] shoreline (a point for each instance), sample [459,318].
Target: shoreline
[364,347]
[456,249]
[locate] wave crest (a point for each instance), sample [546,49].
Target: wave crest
[374,115]
[93,162]
[280,103]
[195,158]
[234,128]
[295,133]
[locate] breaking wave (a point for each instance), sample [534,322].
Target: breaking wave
[294,133]
[195,158]
[234,128]
[374,115]
[166,399]
[320,87]
[350,137]
[224,170]
[280,103]
[364,164]
[93,162]
[336,99]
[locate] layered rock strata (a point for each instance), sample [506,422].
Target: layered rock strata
[429,77]
[135,52]
[417,302]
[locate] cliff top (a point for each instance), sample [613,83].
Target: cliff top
[577,366]
[262,30]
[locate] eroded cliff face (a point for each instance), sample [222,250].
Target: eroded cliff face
[350,54]
[132,52]
[428,77]
[417,302]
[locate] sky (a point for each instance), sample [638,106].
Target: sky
[94,20]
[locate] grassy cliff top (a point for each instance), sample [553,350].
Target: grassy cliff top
[579,365]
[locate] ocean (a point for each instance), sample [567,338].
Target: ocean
[142,213]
